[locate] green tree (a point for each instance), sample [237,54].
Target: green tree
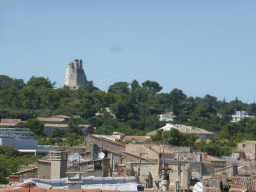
[152,85]
[36,126]
[58,132]
[119,87]
[89,86]
[122,109]
[134,85]
[40,82]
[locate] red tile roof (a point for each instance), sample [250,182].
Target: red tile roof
[238,150]
[10,120]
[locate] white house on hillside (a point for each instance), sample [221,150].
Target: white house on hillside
[239,115]
[200,133]
[168,117]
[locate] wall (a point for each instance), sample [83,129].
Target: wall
[248,148]
[58,169]
[44,169]
[92,168]
[230,170]
[205,169]
[144,170]
[184,177]
[136,149]
[106,143]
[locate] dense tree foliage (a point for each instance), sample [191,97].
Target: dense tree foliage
[10,161]
[135,106]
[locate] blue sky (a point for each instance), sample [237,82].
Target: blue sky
[200,46]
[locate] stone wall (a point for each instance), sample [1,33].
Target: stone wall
[75,75]
[180,149]
[136,149]
[248,147]
[204,169]
[184,176]
[107,144]
[230,170]
[145,169]
[44,169]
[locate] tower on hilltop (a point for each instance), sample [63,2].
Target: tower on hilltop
[75,75]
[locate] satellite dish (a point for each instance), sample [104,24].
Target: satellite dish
[198,187]
[101,155]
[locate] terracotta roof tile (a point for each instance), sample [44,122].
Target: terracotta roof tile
[212,158]
[10,120]
[238,150]
[92,190]
[22,190]
[37,190]
[109,191]
[55,190]
[50,119]
[139,138]
[74,190]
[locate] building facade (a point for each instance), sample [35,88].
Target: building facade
[239,115]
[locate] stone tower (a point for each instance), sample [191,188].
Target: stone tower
[75,75]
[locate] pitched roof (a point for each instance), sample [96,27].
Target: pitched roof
[212,158]
[106,140]
[238,150]
[117,133]
[152,133]
[10,120]
[50,119]
[64,125]
[188,129]
[60,116]
[138,138]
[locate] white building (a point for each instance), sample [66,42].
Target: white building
[200,133]
[168,117]
[239,115]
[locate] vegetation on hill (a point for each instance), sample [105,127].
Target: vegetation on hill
[135,106]
[10,161]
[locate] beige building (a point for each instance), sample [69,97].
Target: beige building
[148,151]
[238,153]
[249,148]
